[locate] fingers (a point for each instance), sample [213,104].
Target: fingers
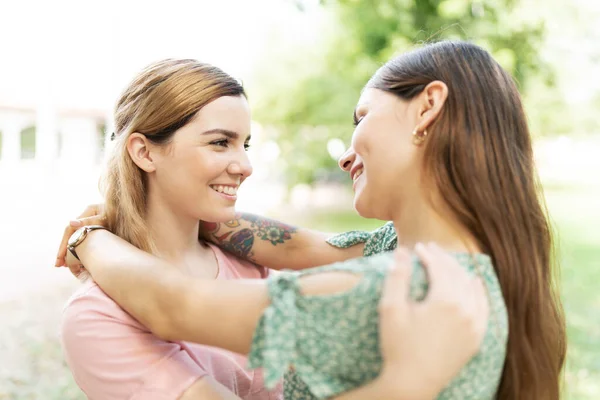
[447,262]
[437,273]
[481,313]
[396,286]
[461,294]
[94,220]
[446,276]
[433,259]
[92,215]
[73,264]
[60,256]
[92,210]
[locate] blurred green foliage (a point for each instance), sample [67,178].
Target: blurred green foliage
[306,92]
[319,85]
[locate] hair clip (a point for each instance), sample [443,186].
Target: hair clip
[112,136]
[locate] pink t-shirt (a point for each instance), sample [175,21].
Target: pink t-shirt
[112,356]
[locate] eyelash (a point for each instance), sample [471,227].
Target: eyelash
[356,121]
[225,143]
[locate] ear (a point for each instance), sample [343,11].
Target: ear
[432,99]
[138,147]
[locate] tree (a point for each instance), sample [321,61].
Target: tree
[319,85]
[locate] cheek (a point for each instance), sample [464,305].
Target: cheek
[182,173]
[373,137]
[201,165]
[388,168]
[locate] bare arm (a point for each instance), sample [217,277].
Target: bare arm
[225,313]
[174,307]
[171,305]
[405,384]
[261,240]
[221,313]
[275,244]
[382,387]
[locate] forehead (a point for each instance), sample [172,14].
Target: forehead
[374,98]
[227,112]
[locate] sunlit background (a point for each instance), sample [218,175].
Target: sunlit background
[63,64]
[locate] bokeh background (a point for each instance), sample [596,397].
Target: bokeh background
[63,64]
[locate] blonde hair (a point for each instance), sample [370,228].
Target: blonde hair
[162,98]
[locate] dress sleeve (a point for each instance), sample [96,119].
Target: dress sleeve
[274,339]
[380,240]
[330,341]
[112,356]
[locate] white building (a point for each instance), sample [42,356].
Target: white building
[44,134]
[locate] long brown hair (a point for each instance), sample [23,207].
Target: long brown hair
[162,98]
[479,155]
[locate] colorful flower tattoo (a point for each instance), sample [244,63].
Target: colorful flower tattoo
[238,235]
[268,229]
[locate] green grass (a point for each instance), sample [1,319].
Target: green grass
[575,213]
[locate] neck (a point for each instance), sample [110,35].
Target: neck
[174,235]
[418,222]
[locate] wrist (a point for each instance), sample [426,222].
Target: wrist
[85,249]
[403,383]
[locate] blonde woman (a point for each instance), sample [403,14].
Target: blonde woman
[182,130]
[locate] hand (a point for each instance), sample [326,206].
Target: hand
[428,342]
[74,265]
[93,215]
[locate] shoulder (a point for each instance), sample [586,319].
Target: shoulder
[90,301]
[90,317]
[112,356]
[233,267]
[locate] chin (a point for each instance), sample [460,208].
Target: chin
[362,208]
[224,215]
[369,210]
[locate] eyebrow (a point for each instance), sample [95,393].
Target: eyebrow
[230,134]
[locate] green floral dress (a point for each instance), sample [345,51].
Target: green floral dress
[331,342]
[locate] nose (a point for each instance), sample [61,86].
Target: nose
[347,159]
[241,165]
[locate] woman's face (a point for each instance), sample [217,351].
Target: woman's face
[200,171]
[382,160]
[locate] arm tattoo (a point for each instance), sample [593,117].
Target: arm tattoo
[270,230]
[240,243]
[240,240]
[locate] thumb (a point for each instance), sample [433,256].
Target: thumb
[396,286]
[93,220]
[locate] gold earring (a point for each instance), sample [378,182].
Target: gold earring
[419,137]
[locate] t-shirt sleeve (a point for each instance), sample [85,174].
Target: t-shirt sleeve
[380,240]
[112,356]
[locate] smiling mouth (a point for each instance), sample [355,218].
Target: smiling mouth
[357,174]
[228,190]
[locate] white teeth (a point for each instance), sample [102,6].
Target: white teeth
[358,173]
[230,190]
